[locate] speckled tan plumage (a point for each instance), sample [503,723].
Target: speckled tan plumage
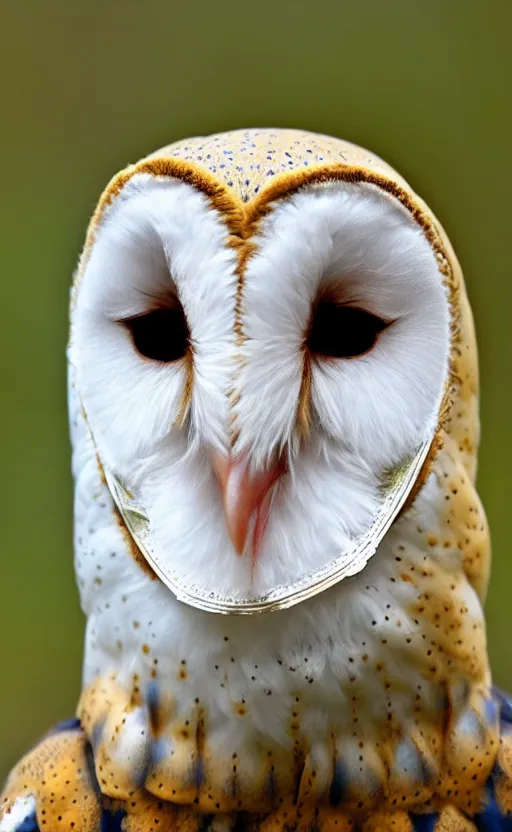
[58,772]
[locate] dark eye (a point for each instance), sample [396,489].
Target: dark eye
[343,331]
[161,334]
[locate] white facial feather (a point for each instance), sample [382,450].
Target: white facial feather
[378,406]
[162,239]
[158,240]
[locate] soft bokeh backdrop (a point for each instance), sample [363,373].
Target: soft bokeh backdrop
[86,87]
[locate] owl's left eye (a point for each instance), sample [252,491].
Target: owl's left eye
[338,331]
[161,334]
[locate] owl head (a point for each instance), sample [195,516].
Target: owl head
[273,402]
[262,335]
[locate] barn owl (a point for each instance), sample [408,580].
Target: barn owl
[279,547]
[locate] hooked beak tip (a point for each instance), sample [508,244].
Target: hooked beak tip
[238,540]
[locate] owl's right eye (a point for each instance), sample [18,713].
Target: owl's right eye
[161,334]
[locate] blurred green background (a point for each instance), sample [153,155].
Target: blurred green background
[86,87]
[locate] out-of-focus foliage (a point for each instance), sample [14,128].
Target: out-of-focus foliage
[86,87]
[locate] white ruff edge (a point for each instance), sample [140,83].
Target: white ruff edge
[280,597]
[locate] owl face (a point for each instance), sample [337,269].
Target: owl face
[257,391]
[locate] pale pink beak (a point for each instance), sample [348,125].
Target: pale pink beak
[244,495]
